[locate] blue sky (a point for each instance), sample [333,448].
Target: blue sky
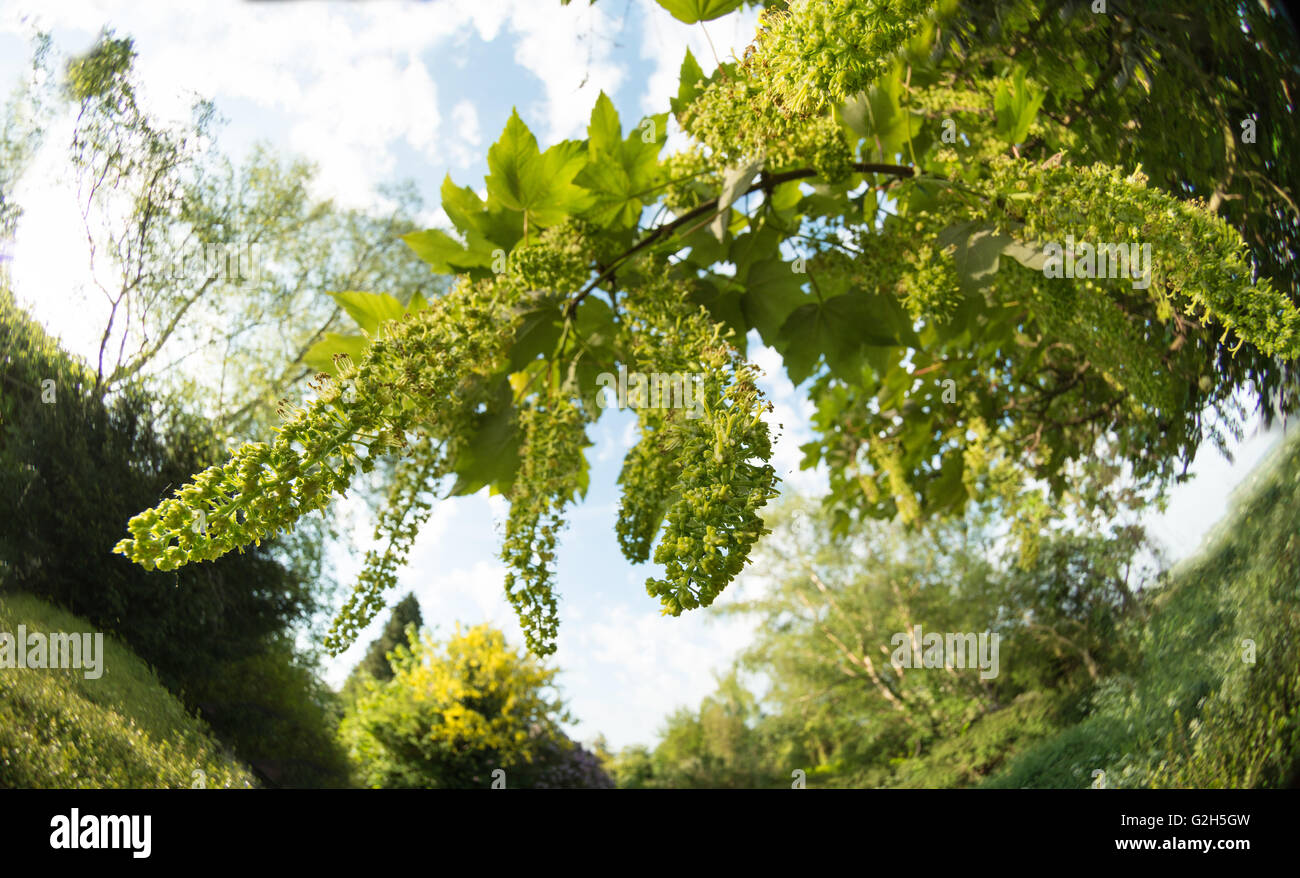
[384,91]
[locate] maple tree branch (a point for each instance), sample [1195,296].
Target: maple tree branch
[766,182]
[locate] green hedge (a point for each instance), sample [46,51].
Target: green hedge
[74,467]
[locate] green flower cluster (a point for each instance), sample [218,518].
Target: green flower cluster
[549,477]
[737,121]
[696,180]
[973,116]
[776,102]
[1087,315]
[559,261]
[713,522]
[888,460]
[408,507]
[262,490]
[1197,257]
[823,146]
[931,289]
[914,269]
[651,469]
[696,476]
[822,52]
[648,482]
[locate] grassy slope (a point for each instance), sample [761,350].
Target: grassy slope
[59,729]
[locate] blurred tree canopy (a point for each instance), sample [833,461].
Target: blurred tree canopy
[219,268]
[1112,671]
[406,613]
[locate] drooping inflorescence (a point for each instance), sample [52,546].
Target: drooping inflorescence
[1199,264]
[554,436]
[702,471]
[425,373]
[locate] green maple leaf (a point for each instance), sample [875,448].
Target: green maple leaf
[691,11]
[537,184]
[619,173]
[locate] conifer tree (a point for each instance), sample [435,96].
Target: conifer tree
[406,614]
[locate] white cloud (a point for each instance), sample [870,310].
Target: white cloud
[649,664]
[444,597]
[569,49]
[348,79]
[464,138]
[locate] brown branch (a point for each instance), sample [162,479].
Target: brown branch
[141,358]
[766,182]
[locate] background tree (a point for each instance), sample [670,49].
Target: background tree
[374,664]
[218,268]
[721,745]
[158,200]
[838,706]
[22,124]
[1214,700]
[1182,678]
[635,769]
